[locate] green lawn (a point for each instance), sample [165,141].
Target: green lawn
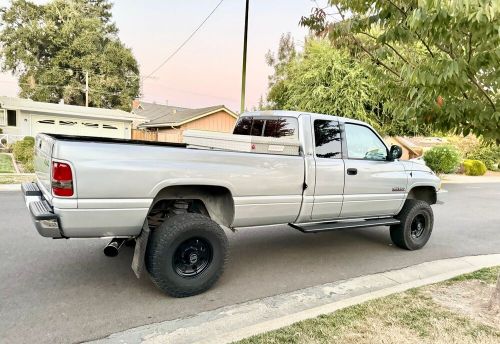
[6,165]
[409,317]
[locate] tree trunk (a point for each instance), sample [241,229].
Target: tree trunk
[495,298]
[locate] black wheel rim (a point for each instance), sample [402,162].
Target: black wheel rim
[192,257]
[418,226]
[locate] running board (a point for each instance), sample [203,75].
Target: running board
[332,226]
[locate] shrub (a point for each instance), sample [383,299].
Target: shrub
[489,154]
[474,167]
[24,152]
[442,159]
[30,139]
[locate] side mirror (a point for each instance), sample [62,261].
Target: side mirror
[395,153]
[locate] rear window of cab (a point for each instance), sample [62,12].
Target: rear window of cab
[267,127]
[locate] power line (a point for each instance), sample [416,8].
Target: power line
[185,41]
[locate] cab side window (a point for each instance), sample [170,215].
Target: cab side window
[327,139]
[362,143]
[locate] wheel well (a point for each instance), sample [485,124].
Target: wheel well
[214,201]
[423,193]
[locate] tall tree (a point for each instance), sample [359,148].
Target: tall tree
[436,61]
[279,61]
[328,79]
[50,47]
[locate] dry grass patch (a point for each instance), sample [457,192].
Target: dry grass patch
[16,179]
[420,315]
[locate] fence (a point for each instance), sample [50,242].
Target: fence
[8,139]
[144,135]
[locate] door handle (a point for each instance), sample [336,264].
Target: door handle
[352,171]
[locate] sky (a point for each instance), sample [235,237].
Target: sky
[207,71]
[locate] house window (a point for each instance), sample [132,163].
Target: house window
[67,123]
[107,126]
[47,121]
[91,125]
[11,118]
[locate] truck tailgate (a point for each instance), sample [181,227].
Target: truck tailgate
[43,153]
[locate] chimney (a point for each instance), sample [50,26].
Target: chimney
[135,104]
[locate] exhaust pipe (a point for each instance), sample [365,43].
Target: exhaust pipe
[112,249]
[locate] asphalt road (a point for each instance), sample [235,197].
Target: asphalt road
[61,291]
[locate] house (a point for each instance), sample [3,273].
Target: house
[24,117]
[410,149]
[169,122]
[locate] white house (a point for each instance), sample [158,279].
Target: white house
[24,117]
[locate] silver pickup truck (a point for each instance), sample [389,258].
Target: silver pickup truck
[176,201]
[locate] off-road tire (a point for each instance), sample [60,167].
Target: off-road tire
[402,234]
[168,237]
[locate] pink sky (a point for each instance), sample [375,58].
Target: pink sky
[207,71]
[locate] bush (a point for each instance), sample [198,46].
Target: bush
[489,154]
[474,167]
[24,152]
[30,139]
[442,159]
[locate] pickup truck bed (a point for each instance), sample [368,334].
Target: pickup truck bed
[116,181]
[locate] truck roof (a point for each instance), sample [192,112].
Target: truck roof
[296,114]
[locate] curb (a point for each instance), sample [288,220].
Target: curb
[10,187]
[235,322]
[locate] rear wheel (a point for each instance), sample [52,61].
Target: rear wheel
[417,220]
[186,254]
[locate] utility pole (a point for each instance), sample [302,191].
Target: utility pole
[86,88]
[244,70]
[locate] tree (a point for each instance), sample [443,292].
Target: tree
[328,79]
[50,47]
[436,61]
[279,62]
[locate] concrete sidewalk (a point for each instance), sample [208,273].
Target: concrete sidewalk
[489,177]
[236,322]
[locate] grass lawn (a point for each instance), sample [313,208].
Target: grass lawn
[454,311]
[6,165]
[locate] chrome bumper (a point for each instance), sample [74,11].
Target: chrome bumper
[42,213]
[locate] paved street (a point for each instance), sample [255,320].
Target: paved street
[68,291]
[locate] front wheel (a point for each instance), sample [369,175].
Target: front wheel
[186,254]
[417,220]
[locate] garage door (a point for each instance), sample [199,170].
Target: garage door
[78,126]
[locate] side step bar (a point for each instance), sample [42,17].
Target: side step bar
[332,226]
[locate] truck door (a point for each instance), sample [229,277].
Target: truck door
[329,187]
[373,185]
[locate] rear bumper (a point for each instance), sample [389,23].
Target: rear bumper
[46,222]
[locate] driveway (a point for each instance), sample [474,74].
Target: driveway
[68,291]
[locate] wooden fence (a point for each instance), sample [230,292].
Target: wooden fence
[144,135]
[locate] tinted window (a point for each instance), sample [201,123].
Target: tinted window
[275,127]
[362,143]
[327,139]
[257,126]
[243,126]
[280,127]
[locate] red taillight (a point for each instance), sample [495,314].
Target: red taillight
[62,179]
